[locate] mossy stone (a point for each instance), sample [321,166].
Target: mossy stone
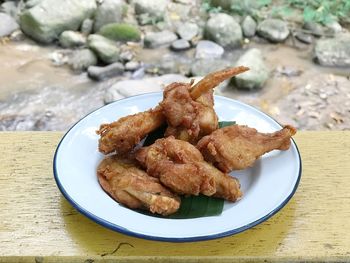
[120,32]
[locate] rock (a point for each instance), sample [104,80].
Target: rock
[132,65]
[126,88]
[274,30]
[32,3]
[86,26]
[154,9]
[110,11]
[187,30]
[305,38]
[333,51]
[180,44]
[334,27]
[157,39]
[7,24]
[82,59]
[288,71]
[60,57]
[71,39]
[315,28]
[224,30]
[208,49]
[258,73]
[120,32]
[245,6]
[202,67]
[9,8]
[248,26]
[100,73]
[48,19]
[138,74]
[105,49]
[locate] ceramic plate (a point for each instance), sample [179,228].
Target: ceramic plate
[267,186]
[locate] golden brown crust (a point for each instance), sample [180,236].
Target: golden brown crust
[237,147]
[181,167]
[131,186]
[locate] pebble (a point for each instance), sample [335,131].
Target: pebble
[206,49]
[132,65]
[180,44]
[187,30]
[303,37]
[100,73]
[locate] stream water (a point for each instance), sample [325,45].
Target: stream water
[37,95]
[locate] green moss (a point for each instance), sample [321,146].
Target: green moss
[120,32]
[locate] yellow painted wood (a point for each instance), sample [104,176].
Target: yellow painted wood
[38,225]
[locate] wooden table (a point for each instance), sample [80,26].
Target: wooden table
[38,225]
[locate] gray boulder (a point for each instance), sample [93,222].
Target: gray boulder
[258,73]
[82,59]
[100,73]
[105,49]
[187,30]
[249,26]
[86,26]
[180,44]
[154,9]
[202,67]
[128,88]
[224,30]
[333,51]
[274,30]
[48,19]
[7,24]
[208,49]
[110,11]
[71,39]
[157,39]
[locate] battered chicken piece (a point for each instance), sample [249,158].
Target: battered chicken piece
[122,135]
[237,147]
[189,111]
[131,186]
[181,168]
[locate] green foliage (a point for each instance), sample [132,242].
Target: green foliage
[120,32]
[322,11]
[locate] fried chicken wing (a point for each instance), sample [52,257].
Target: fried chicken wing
[181,167]
[189,111]
[237,147]
[131,186]
[122,135]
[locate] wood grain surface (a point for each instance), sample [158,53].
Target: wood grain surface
[38,225]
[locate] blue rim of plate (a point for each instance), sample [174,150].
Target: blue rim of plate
[125,231]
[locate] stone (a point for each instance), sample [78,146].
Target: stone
[86,26]
[48,19]
[126,88]
[157,39]
[274,30]
[120,32]
[82,59]
[187,30]
[305,38]
[315,28]
[32,3]
[132,66]
[202,67]
[258,73]
[208,49]
[249,26]
[105,49]
[9,8]
[180,44]
[110,11]
[224,30]
[100,73]
[333,51]
[7,24]
[71,39]
[334,27]
[154,9]
[246,5]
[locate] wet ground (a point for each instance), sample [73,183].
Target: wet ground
[37,95]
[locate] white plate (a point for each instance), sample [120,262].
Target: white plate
[267,186]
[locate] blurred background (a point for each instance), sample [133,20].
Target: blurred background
[62,59]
